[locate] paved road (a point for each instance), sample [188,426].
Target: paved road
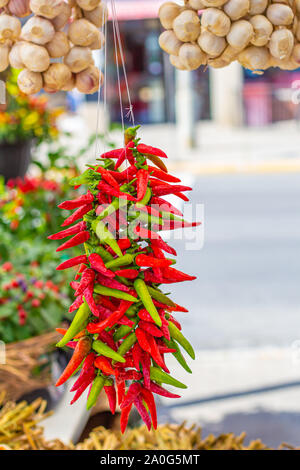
[247,292]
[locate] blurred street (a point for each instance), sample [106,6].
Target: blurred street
[249,268]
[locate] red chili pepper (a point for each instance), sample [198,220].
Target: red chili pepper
[78,214]
[70,263]
[176,323]
[112,397]
[164,190]
[97,263]
[107,189]
[78,239]
[124,244]
[114,153]
[145,233]
[81,268]
[76,304]
[146,364]
[69,231]
[143,340]
[75,203]
[142,183]
[124,418]
[87,278]
[89,297]
[155,388]
[133,391]
[174,275]
[142,411]
[137,355]
[120,388]
[127,273]
[82,348]
[125,155]
[107,282]
[155,354]
[149,400]
[160,243]
[144,260]
[149,150]
[150,328]
[107,337]
[162,175]
[165,206]
[107,176]
[88,381]
[104,364]
[111,320]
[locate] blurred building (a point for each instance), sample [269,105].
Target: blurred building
[229,96]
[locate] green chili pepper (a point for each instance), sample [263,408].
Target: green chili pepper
[145,199]
[143,293]
[105,236]
[127,343]
[105,255]
[106,351]
[97,386]
[122,331]
[178,336]
[178,355]
[121,261]
[160,297]
[113,207]
[160,376]
[102,290]
[132,311]
[79,322]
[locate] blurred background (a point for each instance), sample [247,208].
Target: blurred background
[233,136]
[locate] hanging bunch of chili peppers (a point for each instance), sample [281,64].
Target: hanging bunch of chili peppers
[124,325]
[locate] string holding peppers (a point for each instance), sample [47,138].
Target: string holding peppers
[123,326]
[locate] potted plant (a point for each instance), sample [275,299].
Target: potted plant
[25,121]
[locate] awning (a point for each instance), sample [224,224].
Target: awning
[137,9]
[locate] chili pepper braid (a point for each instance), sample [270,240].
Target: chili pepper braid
[123,325]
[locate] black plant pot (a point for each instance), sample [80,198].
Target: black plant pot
[15,159]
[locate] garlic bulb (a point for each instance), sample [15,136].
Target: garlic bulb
[187,26]
[213,3]
[10,28]
[280,15]
[297,5]
[47,8]
[296,53]
[235,9]
[14,57]
[215,21]
[83,33]
[167,14]
[30,82]
[240,34]
[257,6]
[211,44]
[177,62]
[99,41]
[70,84]
[78,59]
[4,62]
[38,30]
[19,8]
[59,46]
[196,4]
[57,76]
[89,80]
[263,29]
[191,56]
[60,21]
[34,57]
[169,42]
[297,32]
[281,43]
[255,58]
[98,16]
[88,4]
[228,56]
